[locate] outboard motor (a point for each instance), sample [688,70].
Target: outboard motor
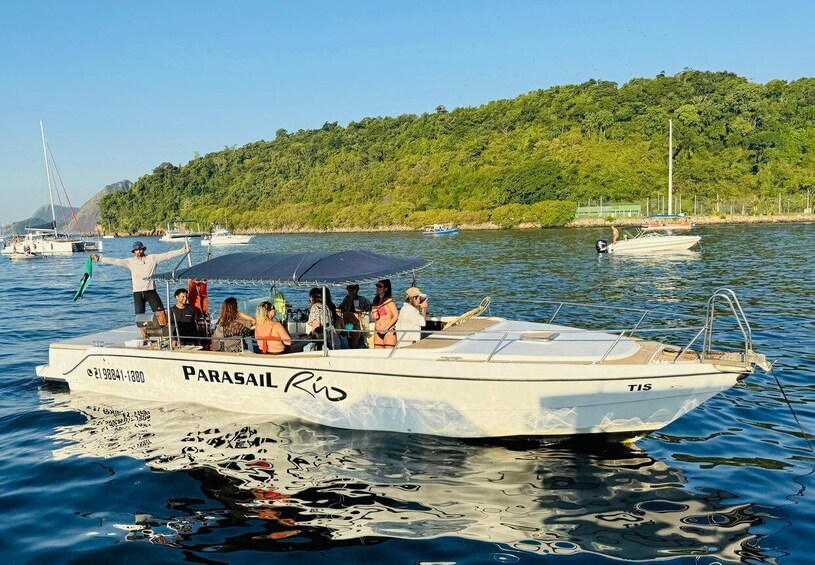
[601,246]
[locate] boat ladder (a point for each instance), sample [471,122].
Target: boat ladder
[747,356]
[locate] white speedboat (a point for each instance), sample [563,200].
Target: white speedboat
[24,256]
[480,376]
[662,240]
[222,236]
[94,246]
[181,230]
[440,229]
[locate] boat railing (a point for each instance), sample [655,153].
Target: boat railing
[502,337]
[728,296]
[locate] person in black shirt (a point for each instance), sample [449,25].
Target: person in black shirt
[184,318]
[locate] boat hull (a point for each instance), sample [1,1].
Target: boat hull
[178,237]
[374,392]
[654,244]
[443,232]
[228,240]
[45,246]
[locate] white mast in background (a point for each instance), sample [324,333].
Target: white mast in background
[48,175]
[670,166]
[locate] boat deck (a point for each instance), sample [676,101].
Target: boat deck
[518,341]
[477,339]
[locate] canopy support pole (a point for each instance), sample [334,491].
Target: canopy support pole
[325,326]
[169,314]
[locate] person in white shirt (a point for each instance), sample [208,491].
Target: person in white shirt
[412,317]
[141,268]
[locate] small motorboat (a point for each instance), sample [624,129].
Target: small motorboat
[181,229]
[478,376]
[222,236]
[94,246]
[440,229]
[640,242]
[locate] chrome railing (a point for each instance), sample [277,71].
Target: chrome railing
[503,337]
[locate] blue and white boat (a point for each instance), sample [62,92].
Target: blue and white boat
[440,229]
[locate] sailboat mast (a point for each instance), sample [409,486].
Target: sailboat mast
[48,175]
[670,166]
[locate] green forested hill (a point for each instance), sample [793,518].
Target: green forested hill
[531,158]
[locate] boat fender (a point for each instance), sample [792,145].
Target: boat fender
[601,246]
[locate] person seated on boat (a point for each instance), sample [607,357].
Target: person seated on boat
[615,234]
[142,267]
[185,319]
[352,306]
[270,334]
[385,315]
[233,325]
[319,319]
[412,317]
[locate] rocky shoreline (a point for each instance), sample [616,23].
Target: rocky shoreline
[581,223]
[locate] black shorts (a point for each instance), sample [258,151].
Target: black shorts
[147,296]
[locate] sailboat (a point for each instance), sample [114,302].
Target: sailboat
[46,240]
[669,221]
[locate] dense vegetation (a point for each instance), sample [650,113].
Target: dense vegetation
[529,159]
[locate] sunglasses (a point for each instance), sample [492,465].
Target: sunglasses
[380,286]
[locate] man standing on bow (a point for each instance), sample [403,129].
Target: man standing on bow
[142,267]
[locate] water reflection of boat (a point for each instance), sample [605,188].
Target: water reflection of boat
[295,480]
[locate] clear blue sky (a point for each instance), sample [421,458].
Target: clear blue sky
[123,86]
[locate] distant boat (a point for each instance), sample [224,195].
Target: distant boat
[180,229]
[108,236]
[645,242]
[24,256]
[46,240]
[440,229]
[94,246]
[222,236]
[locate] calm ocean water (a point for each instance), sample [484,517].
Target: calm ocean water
[100,479]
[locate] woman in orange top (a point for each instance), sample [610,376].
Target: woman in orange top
[270,334]
[385,313]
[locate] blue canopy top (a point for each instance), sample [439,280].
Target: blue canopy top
[297,269]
